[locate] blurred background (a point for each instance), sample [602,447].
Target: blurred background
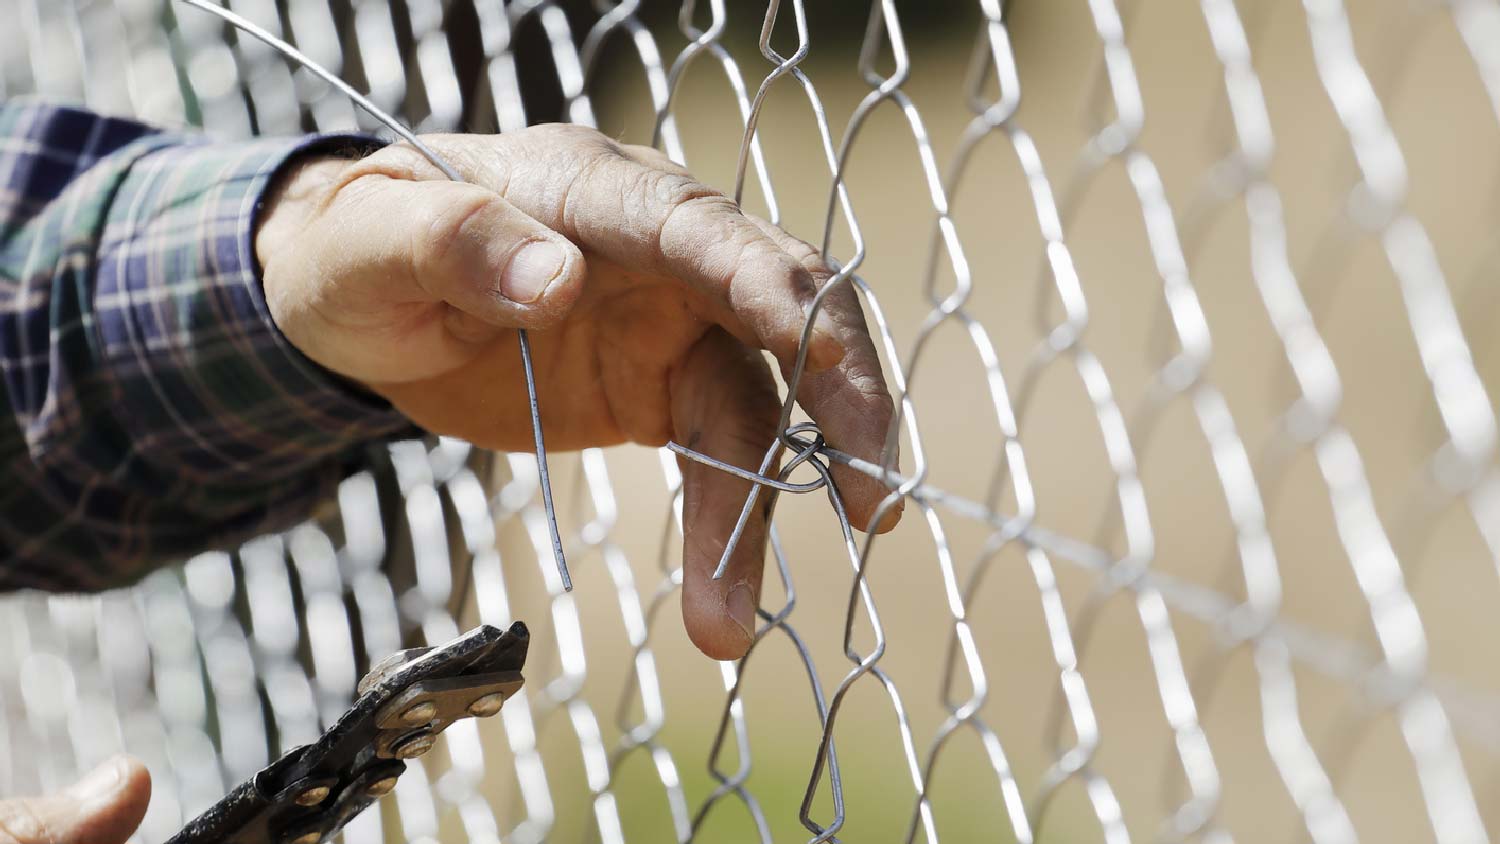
[1200,291]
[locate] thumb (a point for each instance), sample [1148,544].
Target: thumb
[104,807]
[442,241]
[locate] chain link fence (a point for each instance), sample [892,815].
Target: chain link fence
[1188,308]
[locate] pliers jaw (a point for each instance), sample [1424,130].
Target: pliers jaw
[404,703]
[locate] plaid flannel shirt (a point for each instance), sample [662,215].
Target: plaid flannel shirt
[149,407]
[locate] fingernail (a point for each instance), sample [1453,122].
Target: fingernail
[742,608]
[101,782]
[530,271]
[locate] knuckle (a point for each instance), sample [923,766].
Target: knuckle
[702,214]
[666,191]
[808,256]
[580,170]
[677,190]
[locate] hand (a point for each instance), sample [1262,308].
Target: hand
[647,294]
[104,807]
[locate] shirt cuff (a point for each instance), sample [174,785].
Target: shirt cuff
[212,383]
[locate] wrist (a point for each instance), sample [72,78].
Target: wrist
[291,206]
[291,202]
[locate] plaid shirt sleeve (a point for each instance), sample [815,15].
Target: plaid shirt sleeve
[149,407]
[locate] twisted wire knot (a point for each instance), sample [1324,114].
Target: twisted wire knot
[807,449]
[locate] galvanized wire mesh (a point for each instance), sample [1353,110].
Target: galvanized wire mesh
[1203,514]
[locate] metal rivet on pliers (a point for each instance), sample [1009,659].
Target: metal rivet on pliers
[488,705]
[414,744]
[311,796]
[419,713]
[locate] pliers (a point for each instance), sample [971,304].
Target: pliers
[403,703]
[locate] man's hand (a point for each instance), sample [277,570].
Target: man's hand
[649,295]
[104,807]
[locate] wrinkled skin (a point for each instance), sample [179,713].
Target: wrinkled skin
[649,329]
